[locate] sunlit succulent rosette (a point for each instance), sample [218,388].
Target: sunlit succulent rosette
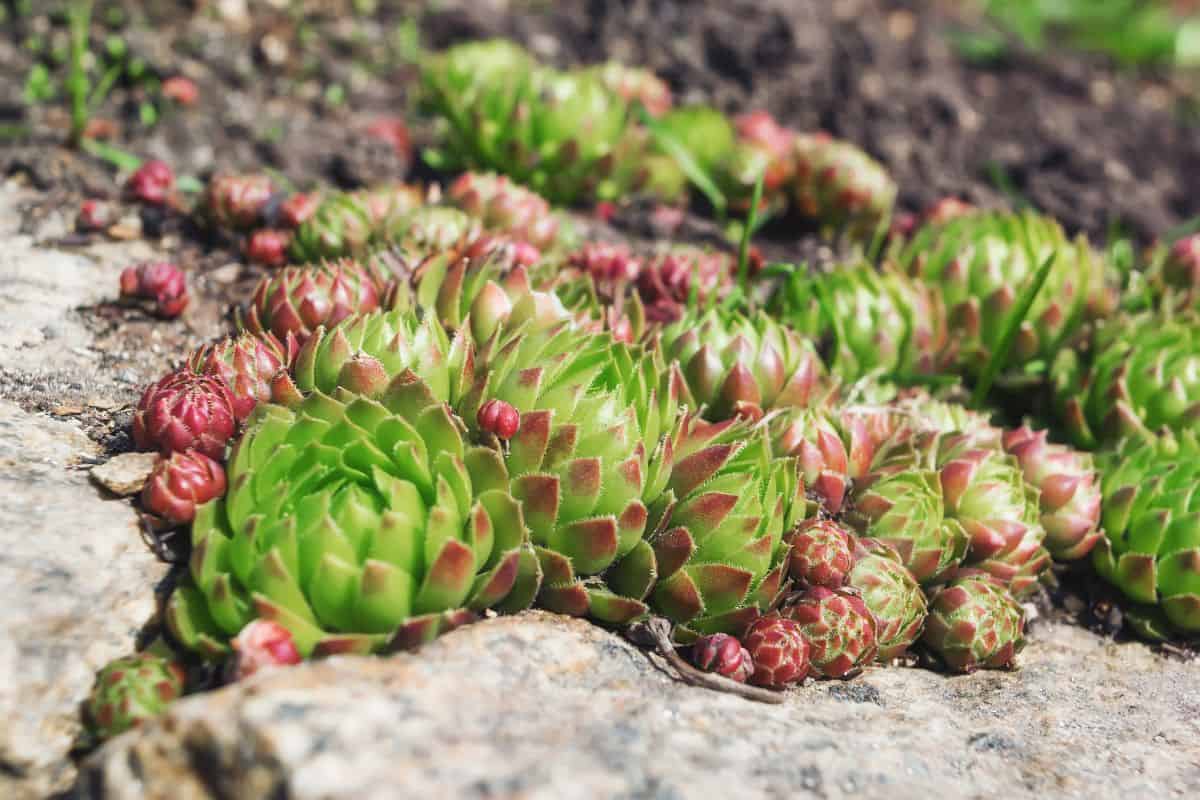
[365,353]
[719,525]
[589,454]
[764,148]
[295,301]
[703,131]
[985,491]
[982,264]
[906,510]
[870,322]
[507,207]
[237,202]
[246,363]
[1143,377]
[1151,547]
[841,186]
[892,594]
[131,690]
[340,227]
[563,134]
[975,623]
[358,525]
[741,365]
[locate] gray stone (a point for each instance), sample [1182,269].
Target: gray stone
[540,706]
[125,474]
[78,584]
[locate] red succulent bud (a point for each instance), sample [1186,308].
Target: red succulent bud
[822,553]
[179,483]
[1182,265]
[605,210]
[237,201]
[94,215]
[606,263]
[185,411]
[180,89]
[246,364]
[298,208]
[499,418]
[393,131]
[724,655]
[269,247]
[779,651]
[152,182]
[262,644]
[296,300]
[160,281]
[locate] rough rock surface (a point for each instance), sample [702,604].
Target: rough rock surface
[542,706]
[77,584]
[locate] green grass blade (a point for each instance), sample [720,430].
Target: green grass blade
[674,148]
[1000,355]
[126,162]
[747,232]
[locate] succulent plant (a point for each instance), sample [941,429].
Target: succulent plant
[636,84]
[779,652]
[180,482]
[764,147]
[262,644]
[159,281]
[609,265]
[341,226]
[357,525]
[741,365]
[563,134]
[1144,377]
[839,629]
[269,247]
[891,594]
[724,655]
[506,207]
[131,690]
[247,364]
[585,460]
[906,509]
[840,185]
[432,230]
[822,553]
[975,623]
[1069,491]
[870,322]
[1181,267]
[668,281]
[1151,547]
[298,208]
[236,202]
[295,301]
[367,352]
[388,206]
[831,455]
[153,182]
[982,264]
[720,523]
[985,491]
[185,411]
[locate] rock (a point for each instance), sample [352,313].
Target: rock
[126,474]
[78,584]
[539,705]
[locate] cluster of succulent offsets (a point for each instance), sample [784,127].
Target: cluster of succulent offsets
[445,405]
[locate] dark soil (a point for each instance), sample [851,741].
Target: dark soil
[1065,133]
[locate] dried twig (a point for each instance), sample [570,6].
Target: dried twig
[656,633]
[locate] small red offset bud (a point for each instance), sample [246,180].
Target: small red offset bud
[94,215]
[724,655]
[822,553]
[159,281]
[185,411]
[260,645]
[269,247]
[179,483]
[779,651]
[152,183]
[499,418]
[181,90]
